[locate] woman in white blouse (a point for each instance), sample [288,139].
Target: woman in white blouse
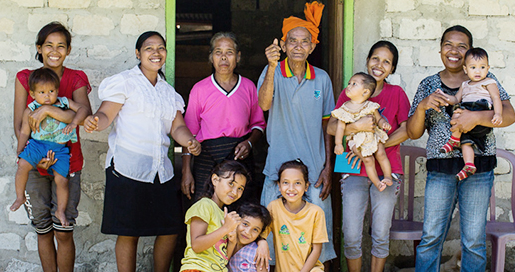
[140,198]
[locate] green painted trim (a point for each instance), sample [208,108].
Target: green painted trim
[348,41]
[170,38]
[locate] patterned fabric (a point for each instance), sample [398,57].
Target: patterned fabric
[243,260]
[366,142]
[51,130]
[438,123]
[215,257]
[394,107]
[71,81]
[295,234]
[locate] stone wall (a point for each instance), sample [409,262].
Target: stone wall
[104,34]
[415,27]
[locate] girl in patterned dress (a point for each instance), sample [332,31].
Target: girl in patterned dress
[361,87]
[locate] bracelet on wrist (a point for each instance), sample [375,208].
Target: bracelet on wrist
[186,154]
[250,143]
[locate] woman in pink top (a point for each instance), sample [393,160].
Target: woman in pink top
[356,189]
[224,115]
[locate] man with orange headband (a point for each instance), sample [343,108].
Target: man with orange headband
[299,98]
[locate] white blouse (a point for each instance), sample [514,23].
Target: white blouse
[138,142]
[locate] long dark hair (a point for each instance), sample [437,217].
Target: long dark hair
[388,45]
[44,32]
[226,169]
[142,38]
[457,28]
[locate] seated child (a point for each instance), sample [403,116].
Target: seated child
[298,226]
[52,135]
[364,144]
[208,225]
[254,219]
[477,94]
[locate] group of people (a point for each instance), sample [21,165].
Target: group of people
[292,228]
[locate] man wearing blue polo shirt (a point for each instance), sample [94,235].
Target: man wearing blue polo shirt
[299,98]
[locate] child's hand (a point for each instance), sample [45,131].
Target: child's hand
[194,147]
[338,149]
[69,128]
[497,120]
[386,126]
[231,220]
[91,123]
[262,255]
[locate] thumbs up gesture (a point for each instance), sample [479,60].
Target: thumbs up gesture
[231,220]
[273,53]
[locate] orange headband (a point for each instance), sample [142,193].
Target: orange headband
[313,13]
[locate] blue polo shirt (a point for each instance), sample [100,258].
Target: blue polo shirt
[294,129]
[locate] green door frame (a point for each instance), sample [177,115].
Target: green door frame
[170,37]
[348,41]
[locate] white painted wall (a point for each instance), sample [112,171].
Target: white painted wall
[104,34]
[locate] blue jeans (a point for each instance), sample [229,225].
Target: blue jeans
[271,192]
[356,191]
[441,195]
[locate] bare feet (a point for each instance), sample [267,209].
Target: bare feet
[62,217]
[17,203]
[387,181]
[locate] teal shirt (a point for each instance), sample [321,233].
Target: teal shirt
[51,130]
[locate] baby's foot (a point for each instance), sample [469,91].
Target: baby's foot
[466,172]
[380,186]
[17,203]
[387,181]
[450,145]
[62,217]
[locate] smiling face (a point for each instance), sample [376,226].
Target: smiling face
[298,44]
[249,229]
[453,48]
[224,56]
[228,188]
[45,93]
[152,54]
[54,50]
[476,68]
[380,64]
[292,185]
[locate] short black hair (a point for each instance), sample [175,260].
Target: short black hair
[458,28]
[476,53]
[43,75]
[368,81]
[256,211]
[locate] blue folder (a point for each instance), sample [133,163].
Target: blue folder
[341,164]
